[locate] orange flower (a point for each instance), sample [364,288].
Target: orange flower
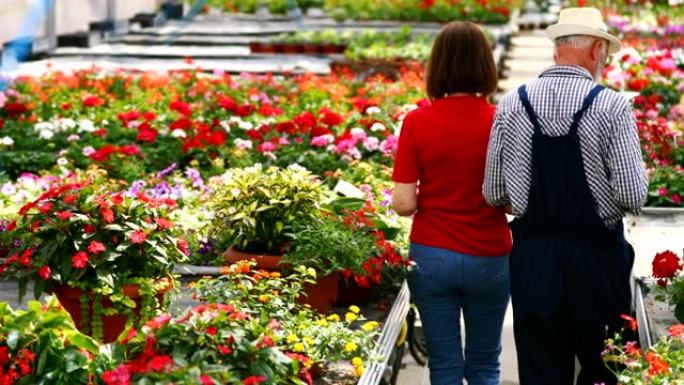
[657,364]
[264,298]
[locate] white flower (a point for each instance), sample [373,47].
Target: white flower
[44,126]
[235,192]
[66,124]
[377,126]
[246,125]
[73,138]
[178,133]
[85,125]
[373,110]
[88,150]
[371,144]
[8,189]
[6,141]
[225,124]
[133,124]
[297,168]
[46,134]
[232,210]
[62,161]
[243,144]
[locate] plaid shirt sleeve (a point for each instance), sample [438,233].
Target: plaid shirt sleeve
[494,188]
[627,171]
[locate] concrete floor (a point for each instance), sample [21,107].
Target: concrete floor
[531,53]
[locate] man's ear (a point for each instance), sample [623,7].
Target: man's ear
[596,50]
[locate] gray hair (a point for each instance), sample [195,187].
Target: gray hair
[576,41]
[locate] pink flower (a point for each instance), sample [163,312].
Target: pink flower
[138,237]
[158,321]
[266,147]
[663,192]
[96,247]
[322,140]
[676,199]
[389,146]
[118,376]
[371,144]
[206,380]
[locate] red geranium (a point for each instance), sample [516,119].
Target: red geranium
[138,237]
[665,266]
[92,101]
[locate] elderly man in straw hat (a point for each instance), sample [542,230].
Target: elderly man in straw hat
[564,155]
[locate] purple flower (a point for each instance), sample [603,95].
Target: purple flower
[161,174]
[162,190]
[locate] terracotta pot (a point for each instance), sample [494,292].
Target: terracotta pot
[70,298]
[268,48]
[264,261]
[323,294]
[350,293]
[311,48]
[279,47]
[330,48]
[293,48]
[256,46]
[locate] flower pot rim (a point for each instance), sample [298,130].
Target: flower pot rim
[132,291]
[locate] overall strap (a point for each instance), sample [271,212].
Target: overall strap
[585,106]
[524,98]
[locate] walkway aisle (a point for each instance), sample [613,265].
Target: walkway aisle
[531,53]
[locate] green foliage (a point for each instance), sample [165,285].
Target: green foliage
[256,207]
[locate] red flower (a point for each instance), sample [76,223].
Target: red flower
[107,215]
[79,260]
[118,376]
[181,107]
[69,199]
[228,104]
[159,363]
[657,364]
[89,229]
[254,380]
[96,247]
[15,108]
[630,321]
[132,333]
[181,124]
[92,101]
[147,135]
[11,226]
[224,349]
[163,223]
[46,207]
[666,265]
[25,258]
[149,116]
[330,118]
[244,110]
[212,330]
[138,237]
[4,355]
[183,246]
[130,149]
[117,199]
[45,272]
[64,215]
[305,120]
[35,226]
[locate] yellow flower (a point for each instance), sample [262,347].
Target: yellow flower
[359,370]
[357,361]
[322,322]
[372,325]
[334,318]
[299,347]
[263,298]
[219,162]
[350,317]
[354,309]
[292,338]
[308,341]
[194,163]
[351,346]
[311,271]
[276,274]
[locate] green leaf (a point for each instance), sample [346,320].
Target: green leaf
[82,341]
[105,276]
[13,339]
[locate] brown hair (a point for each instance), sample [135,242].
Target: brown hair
[461,61]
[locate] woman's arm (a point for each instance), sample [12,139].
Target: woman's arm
[405,199]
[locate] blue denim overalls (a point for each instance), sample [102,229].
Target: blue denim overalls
[569,271]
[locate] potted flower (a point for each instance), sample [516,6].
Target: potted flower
[667,270]
[255,209]
[108,257]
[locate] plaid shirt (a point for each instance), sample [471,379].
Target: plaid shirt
[610,144]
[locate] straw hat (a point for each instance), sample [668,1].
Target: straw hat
[582,21]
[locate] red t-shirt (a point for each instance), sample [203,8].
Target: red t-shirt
[443,147]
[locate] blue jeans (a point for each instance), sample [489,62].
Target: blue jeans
[443,284]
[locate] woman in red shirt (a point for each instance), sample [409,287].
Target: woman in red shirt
[460,244]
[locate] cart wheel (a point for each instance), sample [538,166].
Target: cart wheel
[416,339]
[399,352]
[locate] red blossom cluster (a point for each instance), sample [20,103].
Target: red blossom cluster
[14,368]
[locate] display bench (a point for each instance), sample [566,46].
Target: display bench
[653,316]
[390,346]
